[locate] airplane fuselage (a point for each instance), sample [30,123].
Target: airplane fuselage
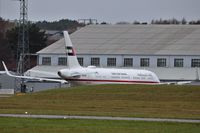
[108,76]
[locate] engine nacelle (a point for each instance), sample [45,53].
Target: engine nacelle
[67,74]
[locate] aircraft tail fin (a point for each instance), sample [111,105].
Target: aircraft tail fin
[72,61]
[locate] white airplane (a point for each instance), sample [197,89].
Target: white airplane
[92,75]
[76,74]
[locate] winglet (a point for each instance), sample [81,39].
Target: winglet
[6,69]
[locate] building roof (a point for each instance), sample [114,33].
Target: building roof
[133,39]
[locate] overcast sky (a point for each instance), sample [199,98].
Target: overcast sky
[111,11]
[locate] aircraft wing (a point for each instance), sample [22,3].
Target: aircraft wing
[176,83]
[183,82]
[32,78]
[54,74]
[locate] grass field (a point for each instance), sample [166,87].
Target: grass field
[24,125]
[167,101]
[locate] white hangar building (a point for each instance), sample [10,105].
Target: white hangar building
[171,51]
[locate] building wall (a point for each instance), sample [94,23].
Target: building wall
[6,84]
[120,60]
[164,73]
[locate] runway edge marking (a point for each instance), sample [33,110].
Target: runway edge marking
[100,118]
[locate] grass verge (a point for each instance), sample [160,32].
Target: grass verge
[25,125]
[161,101]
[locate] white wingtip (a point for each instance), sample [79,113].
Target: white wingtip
[6,69]
[7,72]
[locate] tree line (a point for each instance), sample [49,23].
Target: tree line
[9,34]
[63,24]
[37,39]
[175,21]
[164,22]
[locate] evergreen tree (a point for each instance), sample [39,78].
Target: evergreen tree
[37,38]
[183,21]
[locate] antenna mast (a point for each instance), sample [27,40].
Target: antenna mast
[23,58]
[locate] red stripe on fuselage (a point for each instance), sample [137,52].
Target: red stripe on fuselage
[116,81]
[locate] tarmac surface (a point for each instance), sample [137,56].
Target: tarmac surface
[26,115]
[5,95]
